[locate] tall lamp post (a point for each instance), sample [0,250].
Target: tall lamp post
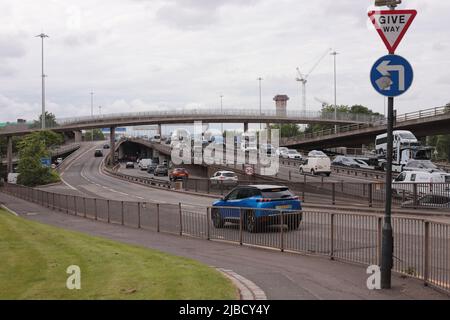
[334,54]
[221,111]
[92,113]
[260,79]
[42,36]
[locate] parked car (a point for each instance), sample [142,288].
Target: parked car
[98,153]
[161,170]
[144,163]
[151,168]
[129,165]
[252,199]
[430,201]
[292,154]
[316,163]
[178,174]
[281,151]
[420,165]
[344,161]
[106,146]
[426,183]
[228,178]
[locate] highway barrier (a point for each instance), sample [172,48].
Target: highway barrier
[421,247]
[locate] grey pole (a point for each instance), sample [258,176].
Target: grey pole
[221,111]
[334,54]
[42,36]
[387,243]
[260,100]
[92,113]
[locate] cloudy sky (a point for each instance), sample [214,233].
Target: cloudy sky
[139,55]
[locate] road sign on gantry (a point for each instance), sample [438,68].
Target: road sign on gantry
[392,75]
[392,25]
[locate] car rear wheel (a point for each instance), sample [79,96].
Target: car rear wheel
[216,217]
[251,222]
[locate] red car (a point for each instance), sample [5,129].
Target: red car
[178,174]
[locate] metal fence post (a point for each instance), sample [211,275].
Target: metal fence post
[95,209]
[181,218]
[75,205]
[281,230]
[426,260]
[333,195]
[332,236]
[370,194]
[157,217]
[67,204]
[107,206]
[84,208]
[304,187]
[379,239]
[139,215]
[208,219]
[241,218]
[415,195]
[121,213]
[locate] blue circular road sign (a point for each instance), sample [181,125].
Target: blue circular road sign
[391,75]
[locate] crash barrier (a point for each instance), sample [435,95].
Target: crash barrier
[421,247]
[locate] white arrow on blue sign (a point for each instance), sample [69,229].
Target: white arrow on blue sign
[392,75]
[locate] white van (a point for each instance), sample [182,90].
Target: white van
[405,181]
[156,138]
[144,163]
[316,163]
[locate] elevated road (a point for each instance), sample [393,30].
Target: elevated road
[191,116]
[422,123]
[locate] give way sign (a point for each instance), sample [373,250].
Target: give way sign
[392,25]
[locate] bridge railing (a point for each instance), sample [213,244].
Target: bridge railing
[422,114]
[306,115]
[420,246]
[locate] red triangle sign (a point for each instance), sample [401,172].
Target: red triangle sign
[392,25]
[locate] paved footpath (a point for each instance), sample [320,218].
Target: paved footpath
[279,275]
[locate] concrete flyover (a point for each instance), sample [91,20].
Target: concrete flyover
[422,123]
[190,116]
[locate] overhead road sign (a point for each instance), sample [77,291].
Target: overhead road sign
[392,75]
[392,25]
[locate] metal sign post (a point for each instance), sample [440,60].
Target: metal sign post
[391,76]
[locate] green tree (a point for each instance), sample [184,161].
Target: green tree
[287,130]
[50,121]
[98,135]
[441,143]
[32,148]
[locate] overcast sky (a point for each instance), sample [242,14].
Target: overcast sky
[139,55]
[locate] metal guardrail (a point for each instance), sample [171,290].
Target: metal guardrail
[420,247]
[422,114]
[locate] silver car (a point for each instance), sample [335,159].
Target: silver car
[228,178]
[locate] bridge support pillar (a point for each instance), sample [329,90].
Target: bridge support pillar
[9,155]
[245,126]
[78,136]
[112,139]
[158,130]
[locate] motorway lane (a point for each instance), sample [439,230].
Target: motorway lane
[84,175]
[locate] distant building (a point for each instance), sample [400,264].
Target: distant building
[281,104]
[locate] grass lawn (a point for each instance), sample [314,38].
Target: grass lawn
[34,258]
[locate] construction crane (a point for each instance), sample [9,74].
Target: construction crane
[322,102]
[303,79]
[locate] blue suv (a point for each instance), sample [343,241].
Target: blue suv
[250,200]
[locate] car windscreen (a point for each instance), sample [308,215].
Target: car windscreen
[407,135]
[276,193]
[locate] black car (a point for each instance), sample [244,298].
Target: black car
[98,153]
[129,165]
[161,170]
[106,146]
[151,167]
[345,162]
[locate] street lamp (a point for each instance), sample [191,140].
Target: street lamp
[260,100]
[42,36]
[92,113]
[334,54]
[221,111]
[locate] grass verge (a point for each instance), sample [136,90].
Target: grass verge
[34,259]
